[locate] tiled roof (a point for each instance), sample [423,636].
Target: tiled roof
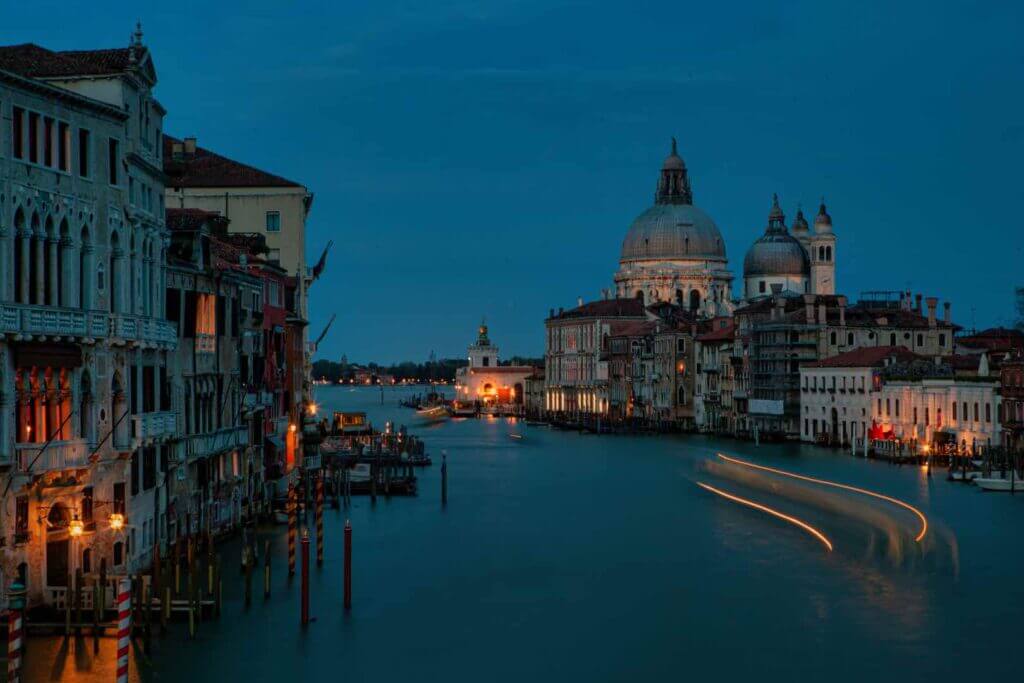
[636,328]
[993,339]
[209,169]
[721,334]
[606,308]
[189,219]
[866,357]
[33,61]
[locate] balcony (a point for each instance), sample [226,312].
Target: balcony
[154,426]
[211,443]
[52,321]
[258,399]
[59,455]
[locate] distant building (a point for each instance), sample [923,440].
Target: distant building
[1011,380]
[717,369]
[487,382]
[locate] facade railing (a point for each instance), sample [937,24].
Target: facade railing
[71,322]
[58,455]
[157,425]
[211,443]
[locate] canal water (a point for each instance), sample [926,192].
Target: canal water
[570,557]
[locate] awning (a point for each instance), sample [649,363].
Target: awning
[276,441]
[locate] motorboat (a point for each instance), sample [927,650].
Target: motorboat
[1008,483]
[517,437]
[960,475]
[435,413]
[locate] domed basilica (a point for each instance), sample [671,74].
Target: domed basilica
[674,252]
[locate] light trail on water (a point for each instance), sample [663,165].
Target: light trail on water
[824,482]
[775,513]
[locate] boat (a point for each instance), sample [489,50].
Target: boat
[350,423]
[464,408]
[517,437]
[999,484]
[435,413]
[535,423]
[959,475]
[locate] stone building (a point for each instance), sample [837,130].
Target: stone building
[84,348]
[485,381]
[673,251]
[716,370]
[576,368]
[1011,381]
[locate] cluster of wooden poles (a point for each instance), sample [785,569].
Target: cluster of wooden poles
[178,586]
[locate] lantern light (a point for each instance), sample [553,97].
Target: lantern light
[75,528]
[116,521]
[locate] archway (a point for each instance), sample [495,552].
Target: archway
[694,300]
[57,544]
[20,287]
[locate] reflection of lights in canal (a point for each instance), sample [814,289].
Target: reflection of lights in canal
[924,521]
[775,513]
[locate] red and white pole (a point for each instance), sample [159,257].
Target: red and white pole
[14,645]
[305,576]
[124,627]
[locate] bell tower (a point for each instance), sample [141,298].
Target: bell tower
[821,248]
[483,354]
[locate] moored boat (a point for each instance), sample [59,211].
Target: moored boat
[1008,483]
[435,413]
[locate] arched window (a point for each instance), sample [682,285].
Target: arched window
[20,292]
[639,294]
[114,283]
[36,263]
[849,338]
[85,281]
[87,560]
[892,339]
[679,297]
[50,263]
[85,406]
[694,299]
[63,288]
[828,253]
[832,338]
[821,253]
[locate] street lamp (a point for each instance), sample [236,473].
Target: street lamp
[116,521]
[75,527]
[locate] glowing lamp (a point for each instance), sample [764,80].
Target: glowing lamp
[116,521]
[75,528]
[312,408]
[292,428]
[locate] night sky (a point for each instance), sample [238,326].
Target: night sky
[477,158]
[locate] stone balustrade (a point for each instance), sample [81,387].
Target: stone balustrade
[210,443]
[52,321]
[154,426]
[59,455]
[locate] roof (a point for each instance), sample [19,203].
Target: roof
[721,334]
[189,219]
[636,328]
[866,357]
[605,308]
[993,339]
[209,169]
[34,61]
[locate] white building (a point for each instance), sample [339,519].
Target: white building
[487,382]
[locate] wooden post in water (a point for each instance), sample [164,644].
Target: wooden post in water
[348,564]
[96,618]
[210,585]
[320,522]
[177,567]
[305,576]
[247,563]
[444,478]
[165,610]
[103,589]
[147,616]
[292,527]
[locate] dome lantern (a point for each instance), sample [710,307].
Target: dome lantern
[674,183]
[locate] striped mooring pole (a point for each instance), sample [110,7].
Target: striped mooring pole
[305,577]
[124,627]
[292,528]
[319,522]
[14,643]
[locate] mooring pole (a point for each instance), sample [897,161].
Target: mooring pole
[320,521]
[305,576]
[444,478]
[124,627]
[292,527]
[266,569]
[348,564]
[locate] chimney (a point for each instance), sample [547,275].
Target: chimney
[190,147]
[842,310]
[917,304]
[551,313]
[946,315]
[560,310]
[809,304]
[177,151]
[579,301]
[932,303]
[822,313]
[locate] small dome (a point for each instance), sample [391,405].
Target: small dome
[800,226]
[823,221]
[673,232]
[776,254]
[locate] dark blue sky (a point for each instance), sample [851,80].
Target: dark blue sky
[486,158]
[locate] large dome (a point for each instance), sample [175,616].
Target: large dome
[676,232]
[776,254]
